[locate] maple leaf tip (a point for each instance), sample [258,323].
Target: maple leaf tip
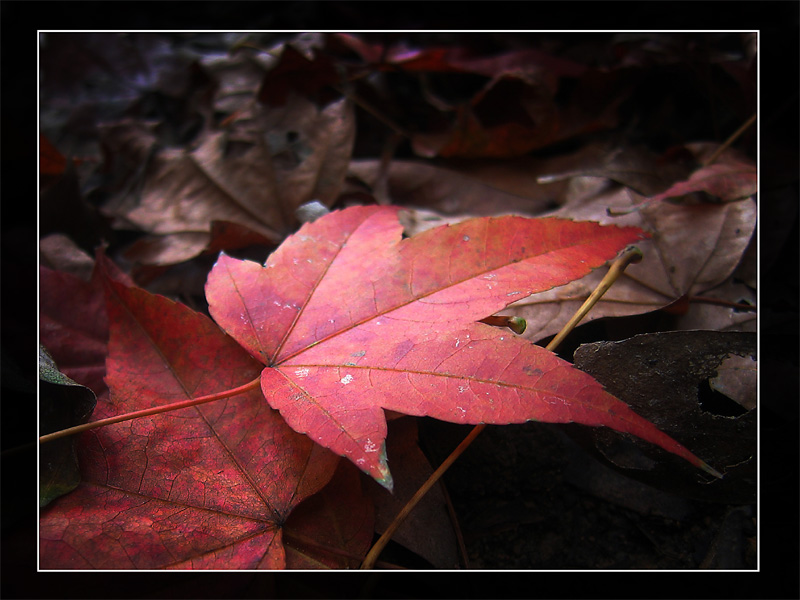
[710,470]
[387,482]
[385,478]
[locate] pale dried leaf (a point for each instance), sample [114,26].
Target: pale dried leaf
[694,249]
[737,378]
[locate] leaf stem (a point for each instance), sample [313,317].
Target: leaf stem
[721,302]
[151,411]
[631,254]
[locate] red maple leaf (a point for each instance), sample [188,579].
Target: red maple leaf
[350,320]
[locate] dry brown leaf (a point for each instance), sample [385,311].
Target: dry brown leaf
[237,74]
[694,249]
[635,167]
[518,176]
[704,314]
[255,174]
[60,253]
[730,177]
[450,193]
[664,376]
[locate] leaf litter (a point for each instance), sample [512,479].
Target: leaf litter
[290,149]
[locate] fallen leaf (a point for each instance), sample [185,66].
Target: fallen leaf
[716,309]
[237,73]
[51,161]
[93,78]
[663,377]
[254,174]
[62,403]
[58,252]
[737,378]
[731,177]
[333,529]
[205,487]
[351,320]
[456,58]
[416,184]
[510,117]
[637,167]
[695,248]
[296,73]
[75,333]
[65,210]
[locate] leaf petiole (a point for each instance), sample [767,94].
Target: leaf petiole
[255,384]
[631,254]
